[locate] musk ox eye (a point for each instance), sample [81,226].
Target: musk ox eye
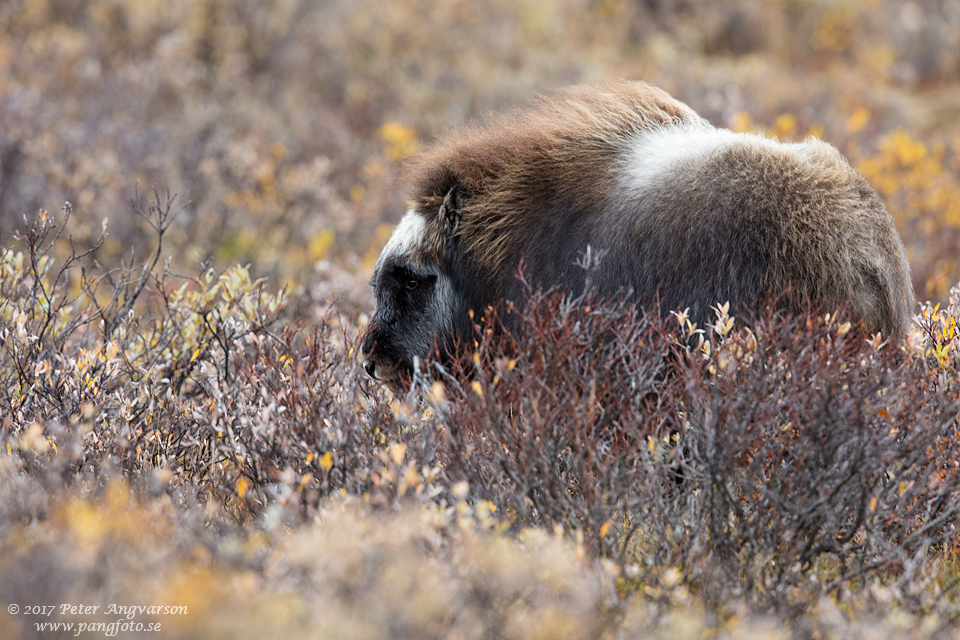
[411,284]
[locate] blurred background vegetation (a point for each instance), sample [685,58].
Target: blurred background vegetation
[280,123]
[204,450]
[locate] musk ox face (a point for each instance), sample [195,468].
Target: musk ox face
[684,215]
[415,301]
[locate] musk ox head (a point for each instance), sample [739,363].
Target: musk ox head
[418,293]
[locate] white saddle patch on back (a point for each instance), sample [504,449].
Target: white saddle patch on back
[657,154]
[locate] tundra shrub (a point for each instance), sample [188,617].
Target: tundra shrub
[184,383]
[750,459]
[772,464]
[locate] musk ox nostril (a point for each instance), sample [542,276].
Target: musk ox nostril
[370,368]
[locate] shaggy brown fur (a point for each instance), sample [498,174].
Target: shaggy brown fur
[546,151]
[749,221]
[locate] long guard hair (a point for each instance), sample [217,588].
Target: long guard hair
[680,212]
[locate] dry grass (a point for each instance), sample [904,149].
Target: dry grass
[184,421]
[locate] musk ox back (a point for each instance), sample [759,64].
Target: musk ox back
[681,213]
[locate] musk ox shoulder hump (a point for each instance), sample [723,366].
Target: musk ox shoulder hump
[599,115]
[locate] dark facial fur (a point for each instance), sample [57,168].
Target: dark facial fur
[414,307]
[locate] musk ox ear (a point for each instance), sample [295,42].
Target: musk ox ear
[449,214]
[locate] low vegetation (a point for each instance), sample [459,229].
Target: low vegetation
[181,439]
[184,420]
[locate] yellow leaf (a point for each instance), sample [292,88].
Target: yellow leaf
[320,244]
[326,461]
[242,486]
[786,124]
[477,388]
[873,504]
[858,120]
[397,133]
[605,528]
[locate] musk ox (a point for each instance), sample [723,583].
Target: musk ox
[683,214]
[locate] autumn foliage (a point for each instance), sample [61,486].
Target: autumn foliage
[184,419]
